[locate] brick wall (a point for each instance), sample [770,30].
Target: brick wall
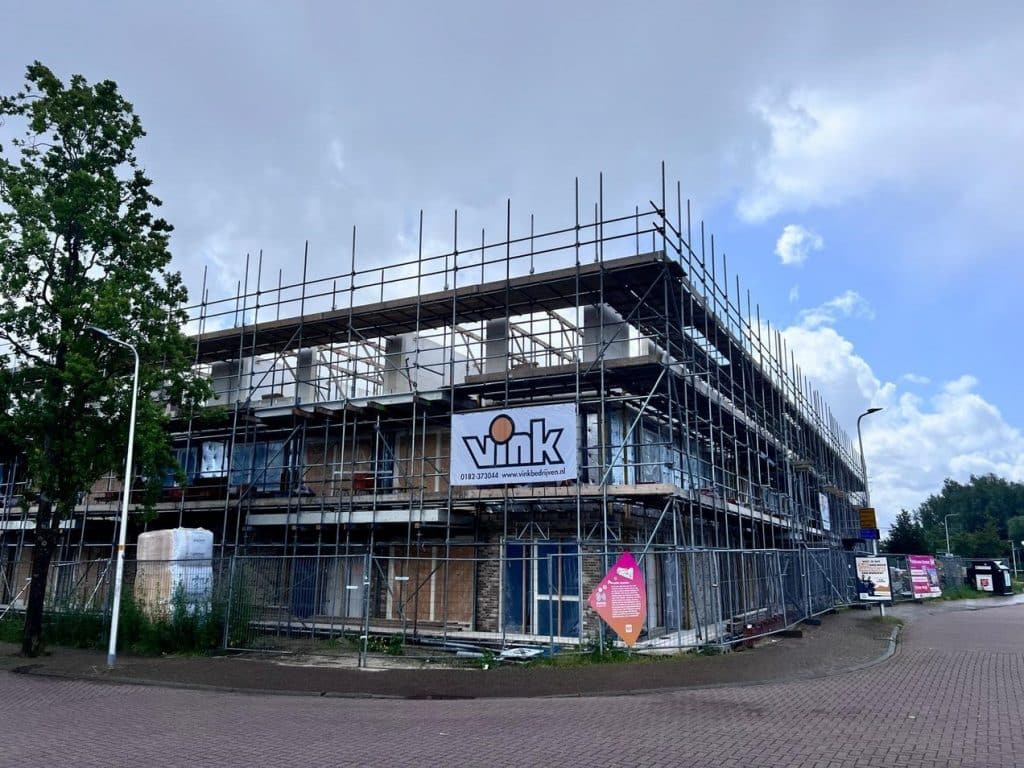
[488,586]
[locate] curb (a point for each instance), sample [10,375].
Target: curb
[887,654]
[39,670]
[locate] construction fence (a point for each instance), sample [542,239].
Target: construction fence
[438,601]
[951,571]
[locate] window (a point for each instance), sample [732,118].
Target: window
[385,469]
[187,459]
[262,466]
[614,454]
[213,459]
[541,588]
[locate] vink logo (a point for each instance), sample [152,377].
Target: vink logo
[522,444]
[503,446]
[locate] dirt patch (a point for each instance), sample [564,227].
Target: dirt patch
[844,640]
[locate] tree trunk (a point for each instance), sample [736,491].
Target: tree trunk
[42,552]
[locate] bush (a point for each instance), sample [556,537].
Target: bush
[962,592]
[391,645]
[710,649]
[395,646]
[12,626]
[593,651]
[187,628]
[607,652]
[71,628]
[76,629]
[182,627]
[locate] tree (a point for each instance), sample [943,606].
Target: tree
[80,245]
[981,502]
[983,543]
[906,536]
[1015,530]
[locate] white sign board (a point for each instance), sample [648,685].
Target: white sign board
[534,444]
[873,579]
[826,513]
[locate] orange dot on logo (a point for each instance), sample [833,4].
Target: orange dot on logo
[502,428]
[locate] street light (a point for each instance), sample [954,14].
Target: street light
[122,533]
[945,523]
[863,463]
[864,475]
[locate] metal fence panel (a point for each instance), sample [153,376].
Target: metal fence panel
[453,600]
[274,601]
[951,571]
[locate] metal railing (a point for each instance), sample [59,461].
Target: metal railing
[435,601]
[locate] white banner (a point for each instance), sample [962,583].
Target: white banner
[535,444]
[873,579]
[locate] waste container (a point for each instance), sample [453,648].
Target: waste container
[990,576]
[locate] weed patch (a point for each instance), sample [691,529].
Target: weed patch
[961,592]
[185,628]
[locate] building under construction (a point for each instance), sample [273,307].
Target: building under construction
[464,440]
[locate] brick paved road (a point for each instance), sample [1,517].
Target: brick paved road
[952,696]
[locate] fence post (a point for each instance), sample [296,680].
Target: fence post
[600,621]
[227,605]
[551,603]
[716,584]
[367,571]
[679,599]
[691,569]
[108,595]
[782,587]
[806,572]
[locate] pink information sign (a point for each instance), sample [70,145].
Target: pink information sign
[621,599]
[924,576]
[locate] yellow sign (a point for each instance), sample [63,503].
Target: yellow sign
[867,517]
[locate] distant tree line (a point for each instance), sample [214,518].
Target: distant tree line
[985,515]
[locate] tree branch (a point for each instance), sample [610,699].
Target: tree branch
[21,350]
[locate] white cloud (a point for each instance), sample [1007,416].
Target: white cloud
[794,293]
[913,378]
[823,149]
[937,125]
[915,443]
[336,154]
[796,243]
[829,360]
[955,434]
[847,304]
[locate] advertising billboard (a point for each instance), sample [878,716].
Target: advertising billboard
[533,444]
[924,576]
[873,579]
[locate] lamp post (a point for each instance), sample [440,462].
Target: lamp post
[864,475]
[863,463]
[122,533]
[945,523]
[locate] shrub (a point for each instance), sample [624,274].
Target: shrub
[186,628]
[11,628]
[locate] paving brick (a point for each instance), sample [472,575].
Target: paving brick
[952,696]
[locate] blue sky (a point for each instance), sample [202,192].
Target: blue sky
[886,143]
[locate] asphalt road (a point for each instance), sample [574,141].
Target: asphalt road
[951,696]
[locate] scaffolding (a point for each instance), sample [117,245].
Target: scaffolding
[328,433]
